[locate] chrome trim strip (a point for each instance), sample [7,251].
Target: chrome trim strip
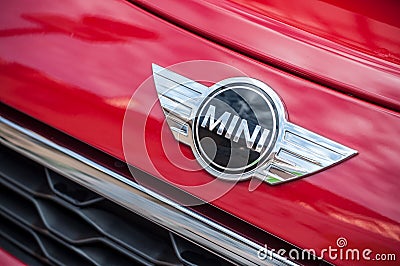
[135,197]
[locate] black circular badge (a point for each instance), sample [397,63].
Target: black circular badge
[235,129]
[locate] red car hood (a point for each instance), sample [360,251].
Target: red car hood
[75,65]
[350,46]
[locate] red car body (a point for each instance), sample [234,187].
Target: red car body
[74,65]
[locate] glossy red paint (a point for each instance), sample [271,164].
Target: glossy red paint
[350,46]
[6,259]
[60,64]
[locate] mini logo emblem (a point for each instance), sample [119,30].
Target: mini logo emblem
[237,129]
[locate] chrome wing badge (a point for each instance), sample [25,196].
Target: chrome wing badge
[237,129]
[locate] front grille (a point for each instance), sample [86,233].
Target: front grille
[53,220]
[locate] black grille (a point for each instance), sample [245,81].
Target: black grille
[47,218]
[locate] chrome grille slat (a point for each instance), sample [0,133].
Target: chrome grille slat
[161,211]
[91,229]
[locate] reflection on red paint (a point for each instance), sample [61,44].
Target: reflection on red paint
[343,46]
[89,28]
